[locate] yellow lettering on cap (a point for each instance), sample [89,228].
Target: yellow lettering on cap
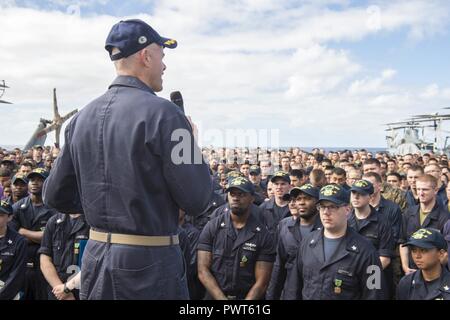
[421,233]
[169,42]
[238,181]
[329,190]
[361,184]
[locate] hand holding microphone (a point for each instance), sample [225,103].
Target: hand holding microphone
[177,98]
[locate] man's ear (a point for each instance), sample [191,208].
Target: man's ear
[145,56]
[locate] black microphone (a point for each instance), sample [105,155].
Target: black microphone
[177,98]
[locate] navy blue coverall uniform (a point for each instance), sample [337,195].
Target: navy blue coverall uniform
[271,217]
[234,255]
[33,218]
[62,238]
[436,219]
[13,262]
[289,240]
[377,230]
[342,277]
[446,234]
[413,287]
[116,166]
[393,214]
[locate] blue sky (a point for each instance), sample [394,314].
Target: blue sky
[333,67]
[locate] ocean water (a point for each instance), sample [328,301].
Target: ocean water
[307,149]
[328,149]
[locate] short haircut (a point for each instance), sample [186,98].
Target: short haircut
[5,172]
[428,178]
[339,172]
[399,177]
[374,175]
[329,168]
[372,161]
[317,175]
[27,164]
[433,165]
[415,167]
[297,173]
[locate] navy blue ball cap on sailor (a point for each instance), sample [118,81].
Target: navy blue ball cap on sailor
[255,170]
[427,238]
[308,189]
[242,184]
[363,187]
[131,36]
[6,208]
[334,193]
[19,177]
[281,175]
[38,172]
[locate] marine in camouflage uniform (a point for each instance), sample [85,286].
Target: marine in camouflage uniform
[394,194]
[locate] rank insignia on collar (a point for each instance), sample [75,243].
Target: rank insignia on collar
[354,248]
[222,224]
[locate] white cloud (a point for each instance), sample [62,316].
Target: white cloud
[376,85]
[430,91]
[238,64]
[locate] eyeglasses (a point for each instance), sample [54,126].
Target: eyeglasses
[332,208]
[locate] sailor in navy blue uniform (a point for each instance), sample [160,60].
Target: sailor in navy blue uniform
[369,223]
[446,234]
[235,250]
[128,163]
[336,262]
[64,237]
[13,255]
[432,280]
[291,231]
[428,214]
[277,208]
[30,218]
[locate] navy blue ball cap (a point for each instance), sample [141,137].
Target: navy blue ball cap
[38,172]
[256,170]
[281,175]
[308,189]
[131,36]
[242,184]
[427,238]
[363,187]
[19,177]
[334,193]
[5,208]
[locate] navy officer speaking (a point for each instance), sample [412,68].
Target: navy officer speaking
[120,168]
